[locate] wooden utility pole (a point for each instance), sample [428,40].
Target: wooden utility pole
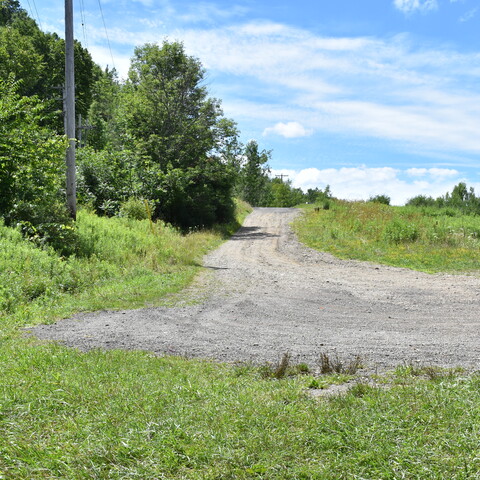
[70,109]
[281,176]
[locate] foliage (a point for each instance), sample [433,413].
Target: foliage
[31,169]
[461,198]
[399,230]
[107,178]
[384,199]
[423,238]
[37,61]
[136,209]
[166,108]
[185,147]
[103,114]
[253,179]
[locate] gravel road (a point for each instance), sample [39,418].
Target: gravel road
[264,294]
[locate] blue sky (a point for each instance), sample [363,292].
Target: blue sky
[371,97]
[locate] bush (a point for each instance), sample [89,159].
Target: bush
[383,199]
[136,209]
[399,231]
[31,156]
[421,201]
[47,225]
[107,179]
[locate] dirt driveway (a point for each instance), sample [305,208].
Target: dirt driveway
[264,294]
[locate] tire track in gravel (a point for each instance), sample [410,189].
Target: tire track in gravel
[263,294]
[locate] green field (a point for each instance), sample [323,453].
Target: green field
[130,415]
[421,238]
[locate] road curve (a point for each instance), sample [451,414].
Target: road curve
[263,294]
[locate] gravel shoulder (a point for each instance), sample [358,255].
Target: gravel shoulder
[263,294]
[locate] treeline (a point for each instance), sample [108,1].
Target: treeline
[461,199]
[156,144]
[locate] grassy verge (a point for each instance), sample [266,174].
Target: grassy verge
[126,415]
[426,239]
[123,263]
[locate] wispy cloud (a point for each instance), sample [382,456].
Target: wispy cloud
[383,88]
[287,81]
[411,6]
[469,15]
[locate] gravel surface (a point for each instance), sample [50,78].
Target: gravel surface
[264,294]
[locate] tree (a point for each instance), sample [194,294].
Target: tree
[31,169]
[103,114]
[37,61]
[183,143]
[8,10]
[167,109]
[18,57]
[253,178]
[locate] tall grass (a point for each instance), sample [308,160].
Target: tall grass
[421,238]
[120,263]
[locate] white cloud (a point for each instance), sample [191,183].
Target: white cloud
[438,173]
[410,6]
[388,89]
[288,130]
[361,183]
[469,15]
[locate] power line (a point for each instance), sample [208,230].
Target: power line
[38,16]
[84,27]
[106,33]
[30,8]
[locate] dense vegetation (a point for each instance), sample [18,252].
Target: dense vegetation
[443,237]
[156,137]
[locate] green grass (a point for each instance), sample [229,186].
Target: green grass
[65,414]
[124,263]
[118,415]
[425,239]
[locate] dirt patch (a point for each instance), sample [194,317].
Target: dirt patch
[264,294]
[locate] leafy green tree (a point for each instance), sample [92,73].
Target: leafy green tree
[31,168]
[184,145]
[9,9]
[37,61]
[253,179]
[18,57]
[104,112]
[167,109]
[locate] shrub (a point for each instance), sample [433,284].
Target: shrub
[400,231]
[383,199]
[31,156]
[136,209]
[107,179]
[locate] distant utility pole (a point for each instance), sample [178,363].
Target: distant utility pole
[70,109]
[281,176]
[80,128]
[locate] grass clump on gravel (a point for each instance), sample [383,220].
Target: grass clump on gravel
[420,238]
